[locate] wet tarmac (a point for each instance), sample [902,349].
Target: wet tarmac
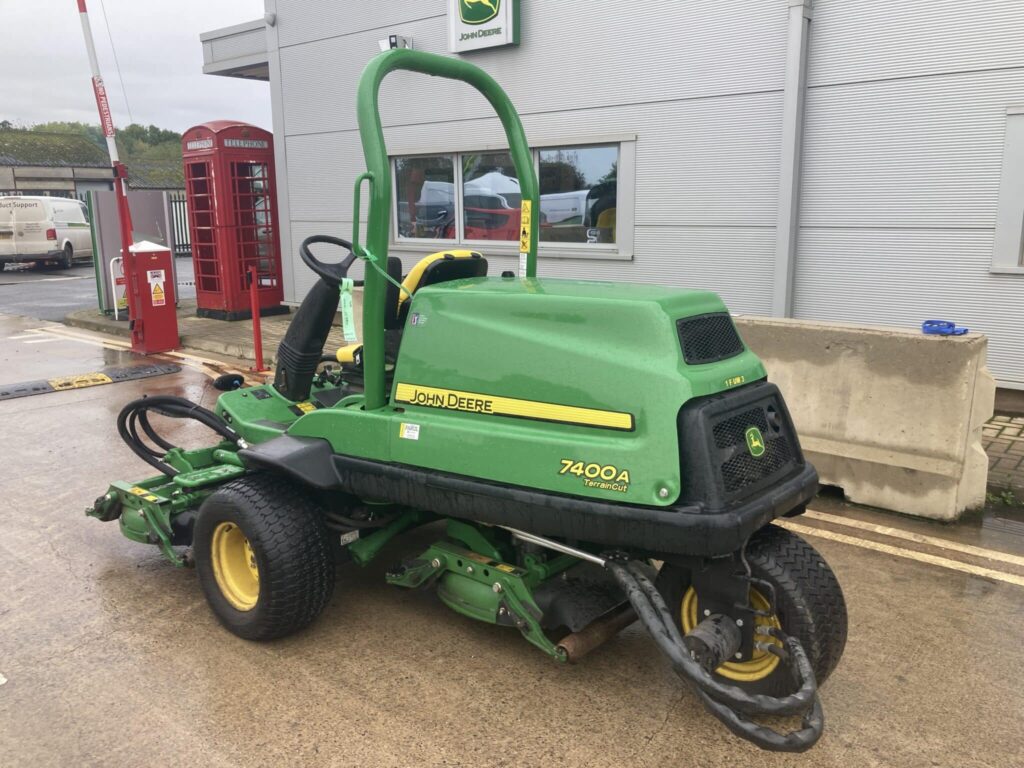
[51,293]
[109,656]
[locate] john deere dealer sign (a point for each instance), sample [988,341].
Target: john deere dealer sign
[475,24]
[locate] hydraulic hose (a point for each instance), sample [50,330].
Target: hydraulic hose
[729,704]
[136,414]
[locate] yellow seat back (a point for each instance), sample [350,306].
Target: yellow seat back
[415,277]
[606,220]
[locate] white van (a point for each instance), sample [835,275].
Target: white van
[567,207]
[44,229]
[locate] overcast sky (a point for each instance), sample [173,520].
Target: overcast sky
[45,70]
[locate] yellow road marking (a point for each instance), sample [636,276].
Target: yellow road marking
[95,341]
[193,361]
[918,538]
[907,554]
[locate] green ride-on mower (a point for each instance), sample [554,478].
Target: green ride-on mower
[568,435]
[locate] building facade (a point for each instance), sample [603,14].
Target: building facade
[63,165]
[848,160]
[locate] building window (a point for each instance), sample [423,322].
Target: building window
[490,197]
[473,198]
[578,191]
[425,197]
[1008,248]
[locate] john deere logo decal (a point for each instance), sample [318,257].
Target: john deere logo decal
[478,11]
[755,442]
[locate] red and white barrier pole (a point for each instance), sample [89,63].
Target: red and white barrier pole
[124,215]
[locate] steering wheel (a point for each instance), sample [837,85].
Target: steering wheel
[332,274]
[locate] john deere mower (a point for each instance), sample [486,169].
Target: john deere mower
[589,454]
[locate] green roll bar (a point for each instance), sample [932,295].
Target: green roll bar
[378,174]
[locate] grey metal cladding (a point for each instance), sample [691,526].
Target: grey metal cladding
[726,48]
[859,40]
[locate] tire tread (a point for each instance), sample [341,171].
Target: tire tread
[297,569]
[809,582]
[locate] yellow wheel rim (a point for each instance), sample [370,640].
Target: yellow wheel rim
[761,664]
[234,566]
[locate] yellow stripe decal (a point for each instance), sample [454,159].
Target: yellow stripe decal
[472,402]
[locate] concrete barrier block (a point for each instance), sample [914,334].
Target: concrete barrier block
[891,416]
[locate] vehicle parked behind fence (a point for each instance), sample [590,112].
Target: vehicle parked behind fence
[44,229]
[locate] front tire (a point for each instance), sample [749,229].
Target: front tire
[67,259]
[809,605]
[263,556]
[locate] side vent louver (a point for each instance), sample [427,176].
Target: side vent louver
[708,338]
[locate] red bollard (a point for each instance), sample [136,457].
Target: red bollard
[254,305]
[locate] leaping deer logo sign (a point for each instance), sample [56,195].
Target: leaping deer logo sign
[755,442]
[478,11]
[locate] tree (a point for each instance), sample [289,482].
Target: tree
[135,143]
[612,175]
[561,176]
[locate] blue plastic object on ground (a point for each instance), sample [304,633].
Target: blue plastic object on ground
[942,328]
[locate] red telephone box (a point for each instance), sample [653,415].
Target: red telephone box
[232,218]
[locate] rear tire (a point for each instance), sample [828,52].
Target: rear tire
[67,259]
[264,557]
[809,605]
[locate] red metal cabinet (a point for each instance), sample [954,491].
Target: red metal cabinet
[232,217]
[151,302]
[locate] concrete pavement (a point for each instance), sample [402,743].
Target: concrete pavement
[1004,444]
[111,657]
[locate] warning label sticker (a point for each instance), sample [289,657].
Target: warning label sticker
[155,278]
[121,291]
[525,218]
[409,431]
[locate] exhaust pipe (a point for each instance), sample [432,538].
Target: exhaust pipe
[597,633]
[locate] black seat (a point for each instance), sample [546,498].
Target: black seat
[437,268]
[430,270]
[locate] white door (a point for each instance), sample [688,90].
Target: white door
[81,237]
[30,225]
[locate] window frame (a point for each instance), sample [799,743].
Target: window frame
[436,243]
[1008,240]
[621,250]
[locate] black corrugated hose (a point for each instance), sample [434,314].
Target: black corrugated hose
[730,704]
[135,415]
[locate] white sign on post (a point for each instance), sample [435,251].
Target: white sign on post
[476,24]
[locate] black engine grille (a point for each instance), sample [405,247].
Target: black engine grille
[742,468]
[708,338]
[717,464]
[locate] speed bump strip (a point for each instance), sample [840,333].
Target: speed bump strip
[83,380]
